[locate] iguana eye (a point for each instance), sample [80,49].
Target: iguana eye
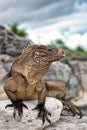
[49,49]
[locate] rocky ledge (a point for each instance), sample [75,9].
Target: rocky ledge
[30,122]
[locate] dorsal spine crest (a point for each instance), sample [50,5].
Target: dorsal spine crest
[27,48]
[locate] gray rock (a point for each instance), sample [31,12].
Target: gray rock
[62,72]
[79,67]
[3,72]
[10,43]
[73,87]
[58,71]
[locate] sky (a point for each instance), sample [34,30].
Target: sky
[48,20]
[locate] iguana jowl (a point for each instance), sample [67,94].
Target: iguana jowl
[25,80]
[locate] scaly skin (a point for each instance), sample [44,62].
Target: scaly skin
[25,80]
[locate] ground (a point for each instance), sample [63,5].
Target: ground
[28,122]
[69,123]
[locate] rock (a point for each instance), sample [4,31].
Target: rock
[79,69]
[58,71]
[73,86]
[10,43]
[69,123]
[5,58]
[29,120]
[3,73]
[62,72]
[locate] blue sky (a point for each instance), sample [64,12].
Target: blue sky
[47,20]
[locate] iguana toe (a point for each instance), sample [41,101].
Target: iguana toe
[43,113]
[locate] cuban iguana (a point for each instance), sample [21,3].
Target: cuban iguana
[25,82]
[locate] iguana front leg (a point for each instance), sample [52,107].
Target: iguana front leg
[58,90]
[43,113]
[11,90]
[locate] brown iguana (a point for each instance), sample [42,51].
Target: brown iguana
[25,82]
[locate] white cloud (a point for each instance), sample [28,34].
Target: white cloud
[76,40]
[71,40]
[44,37]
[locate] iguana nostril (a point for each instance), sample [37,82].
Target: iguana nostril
[61,52]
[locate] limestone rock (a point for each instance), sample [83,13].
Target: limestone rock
[69,123]
[29,120]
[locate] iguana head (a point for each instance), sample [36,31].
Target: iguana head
[48,53]
[44,54]
[35,60]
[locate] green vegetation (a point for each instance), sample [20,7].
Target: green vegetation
[79,51]
[19,32]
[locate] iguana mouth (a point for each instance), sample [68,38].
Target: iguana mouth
[60,54]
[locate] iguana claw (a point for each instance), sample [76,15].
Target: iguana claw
[73,108]
[17,105]
[43,113]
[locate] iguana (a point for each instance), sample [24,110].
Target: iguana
[25,82]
